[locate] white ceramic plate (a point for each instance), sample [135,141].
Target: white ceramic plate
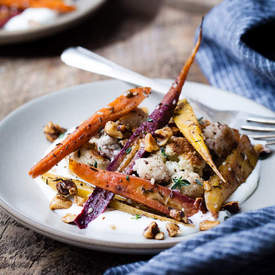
[84,8]
[22,143]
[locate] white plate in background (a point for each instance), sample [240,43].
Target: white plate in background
[83,9]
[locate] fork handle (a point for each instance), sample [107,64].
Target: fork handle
[86,60]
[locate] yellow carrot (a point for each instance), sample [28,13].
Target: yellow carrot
[188,124]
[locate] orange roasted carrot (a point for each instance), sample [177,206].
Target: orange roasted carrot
[57,5]
[119,107]
[155,196]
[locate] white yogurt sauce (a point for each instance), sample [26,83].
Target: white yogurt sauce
[125,222]
[29,18]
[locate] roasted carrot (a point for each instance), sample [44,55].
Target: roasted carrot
[155,196]
[188,124]
[119,107]
[57,5]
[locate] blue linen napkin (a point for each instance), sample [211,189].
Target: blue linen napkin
[237,54]
[238,49]
[244,244]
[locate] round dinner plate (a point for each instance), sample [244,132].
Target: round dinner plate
[22,143]
[84,8]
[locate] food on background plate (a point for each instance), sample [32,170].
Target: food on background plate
[167,166]
[25,14]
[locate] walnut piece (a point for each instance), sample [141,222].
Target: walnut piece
[163,135]
[232,206]
[262,151]
[172,229]
[152,232]
[150,144]
[66,187]
[113,129]
[52,131]
[159,236]
[206,225]
[58,203]
[176,214]
[69,218]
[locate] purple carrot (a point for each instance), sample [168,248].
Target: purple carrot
[100,198]
[94,206]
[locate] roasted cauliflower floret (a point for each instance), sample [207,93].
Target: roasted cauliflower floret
[188,183]
[179,149]
[89,154]
[106,145]
[152,168]
[220,138]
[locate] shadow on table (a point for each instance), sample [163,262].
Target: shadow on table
[113,21]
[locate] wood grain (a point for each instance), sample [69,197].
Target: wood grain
[153,39]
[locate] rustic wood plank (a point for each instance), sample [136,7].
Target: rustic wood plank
[152,39]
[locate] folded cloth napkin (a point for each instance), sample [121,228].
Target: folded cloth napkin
[243,244]
[237,54]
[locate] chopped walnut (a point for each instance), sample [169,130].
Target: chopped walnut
[151,231]
[159,236]
[176,214]
[66,187]
[58,203]
[52,131]
[113,129]
[206,225]
[79,200]
[69,218]
[262,151]
[163,135]
[172,229]
[150,144]
[232,206]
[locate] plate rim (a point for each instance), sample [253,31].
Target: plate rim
[82,241]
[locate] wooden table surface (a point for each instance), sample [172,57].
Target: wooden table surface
[153,39]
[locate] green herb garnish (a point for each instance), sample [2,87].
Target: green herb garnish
[200,119]
[95,164]
[179,183]
[136,217]
[127,178]
[150,119]
[162,150]
[128,150]
[198,182]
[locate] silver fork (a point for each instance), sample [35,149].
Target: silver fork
[249,124]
